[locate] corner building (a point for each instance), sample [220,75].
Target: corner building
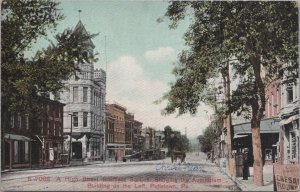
[84,97]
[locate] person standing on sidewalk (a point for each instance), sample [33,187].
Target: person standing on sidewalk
[245,167]
[116,157]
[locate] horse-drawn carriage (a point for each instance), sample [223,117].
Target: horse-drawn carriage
[178,154]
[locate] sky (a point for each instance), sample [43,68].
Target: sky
[138,54]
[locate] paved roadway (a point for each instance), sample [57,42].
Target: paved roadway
[161,175]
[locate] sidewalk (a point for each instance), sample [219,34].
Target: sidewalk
[72,164]
[247,185]
[78,163]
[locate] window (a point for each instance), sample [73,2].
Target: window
[272,112]
[75,94]
[92,120]
[54,128]
[27,122]
[85,114]
[85,91]
[289,91]
[92,95]
[19,121]
[95,121]
[293,144]
[42,127]
[12,120]
[268,154]
[75,119]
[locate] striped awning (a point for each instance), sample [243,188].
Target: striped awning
[16,137]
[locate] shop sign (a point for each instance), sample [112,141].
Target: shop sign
[286,177]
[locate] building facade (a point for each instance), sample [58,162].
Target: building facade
[137,143]
[33,141]
[84,113]
[129,121]
[115,122]
[289,124]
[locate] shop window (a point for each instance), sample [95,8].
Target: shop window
[293,146]
[268,154]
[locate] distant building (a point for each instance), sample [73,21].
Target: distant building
[129,122]
[137,136]
[85,107]
[149,134]
[273,100]
[115,125]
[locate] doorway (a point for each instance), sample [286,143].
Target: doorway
[77,150]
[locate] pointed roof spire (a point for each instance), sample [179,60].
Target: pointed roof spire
[80,27]
[79,11]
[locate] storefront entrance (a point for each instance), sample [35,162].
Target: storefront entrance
[76,150]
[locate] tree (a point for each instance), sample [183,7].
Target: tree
[175,141]
[25,80]
[259,36]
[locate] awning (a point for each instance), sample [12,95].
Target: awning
[270,125]
[115,145]
[289,120]
[239,136]
[16,137]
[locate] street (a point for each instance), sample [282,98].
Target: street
[194,175]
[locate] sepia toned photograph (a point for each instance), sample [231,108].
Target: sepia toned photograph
[149,95]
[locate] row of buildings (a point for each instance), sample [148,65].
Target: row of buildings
[74,124]
[125,135]
[279,131]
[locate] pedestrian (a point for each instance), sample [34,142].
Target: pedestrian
[102,158]
[245,167]
[183,157]
[116,157]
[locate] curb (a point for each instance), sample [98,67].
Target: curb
[237,184]
[108,164]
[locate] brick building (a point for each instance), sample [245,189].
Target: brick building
[129,121]
[137,141]
[115,126]
[28,141]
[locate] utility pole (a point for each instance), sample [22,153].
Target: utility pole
[216,124]
[70,148]
[226,78]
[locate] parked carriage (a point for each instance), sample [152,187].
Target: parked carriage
[178,154]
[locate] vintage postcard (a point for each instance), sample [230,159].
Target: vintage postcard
[150,95]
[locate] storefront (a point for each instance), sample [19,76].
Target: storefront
[17,151]
[269,133]
[289,139]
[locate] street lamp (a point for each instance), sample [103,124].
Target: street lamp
[70,149]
